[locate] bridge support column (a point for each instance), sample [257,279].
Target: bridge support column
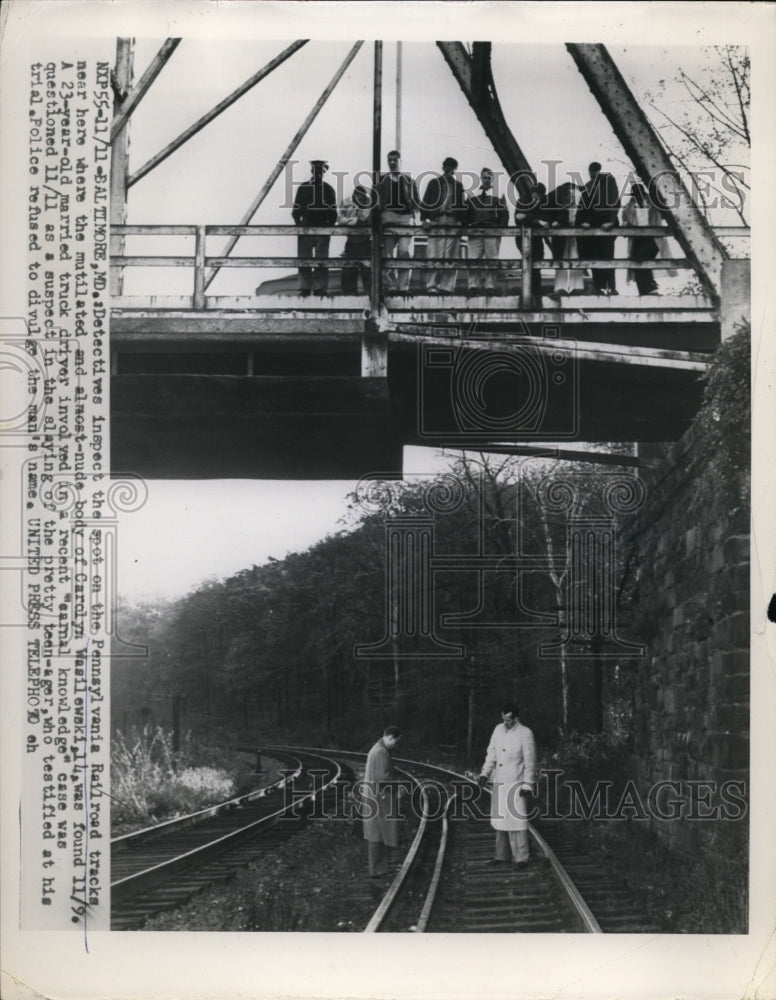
[374,350]
[735,304]
[374,346]
[119,160]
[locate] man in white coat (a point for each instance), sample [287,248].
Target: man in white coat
[511,764]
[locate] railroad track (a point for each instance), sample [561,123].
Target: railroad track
[617,908]
[442,882]
[163,866]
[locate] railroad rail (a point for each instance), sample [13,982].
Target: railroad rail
[160,867]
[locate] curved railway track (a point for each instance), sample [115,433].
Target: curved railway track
[442,883]
[161,867]
[445,884]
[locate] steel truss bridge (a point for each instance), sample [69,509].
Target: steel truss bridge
[277,385]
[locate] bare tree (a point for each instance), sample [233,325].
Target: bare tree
[703,120]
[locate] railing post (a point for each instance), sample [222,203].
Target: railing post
[377,127]
[199,268]
[376,284]
[526,281]
[374,346]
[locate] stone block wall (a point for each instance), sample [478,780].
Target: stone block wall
[691,689]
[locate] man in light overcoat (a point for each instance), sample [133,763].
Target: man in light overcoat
[511,765]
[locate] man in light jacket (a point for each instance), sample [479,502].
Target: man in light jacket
[511,764]
[397,201]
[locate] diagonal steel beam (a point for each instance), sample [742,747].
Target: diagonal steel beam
[141,88]
[475,78]
[215,112]
[119,157]
[288,153]
[652,162]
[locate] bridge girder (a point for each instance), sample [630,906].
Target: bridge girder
[475,78]
[652,162]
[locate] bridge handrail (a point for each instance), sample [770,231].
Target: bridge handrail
[412,263]
[157,229]
[525,237]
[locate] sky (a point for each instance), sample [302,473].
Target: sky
[191,531]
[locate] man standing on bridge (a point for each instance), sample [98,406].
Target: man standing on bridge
[444,204]
[599,209]
[380,794]
[486,211]
[315,205]
[511,764]
[397,200]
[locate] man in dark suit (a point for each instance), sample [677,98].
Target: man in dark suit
[315,204]
[444,204]
[599,207]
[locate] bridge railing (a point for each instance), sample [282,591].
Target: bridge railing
[205,266]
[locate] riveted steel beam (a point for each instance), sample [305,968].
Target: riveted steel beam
[475,78]
[652,162]
[119,161]
[142,87]
[227,102]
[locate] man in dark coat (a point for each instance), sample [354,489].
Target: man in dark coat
[486,210]
[599,208]
[315,204]
[444,204]
[380,802]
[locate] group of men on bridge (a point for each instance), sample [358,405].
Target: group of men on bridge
[445,206]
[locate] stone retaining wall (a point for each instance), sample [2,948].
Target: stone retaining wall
[691,690]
